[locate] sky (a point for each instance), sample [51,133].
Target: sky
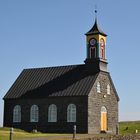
[44,33]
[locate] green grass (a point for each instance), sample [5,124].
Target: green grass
[129,127]
[125,128]
[20,134]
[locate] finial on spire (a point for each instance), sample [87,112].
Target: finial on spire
[95,12]
[95,29]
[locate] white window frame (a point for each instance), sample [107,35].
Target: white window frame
[34,113]
[17,114]
[98,87]
[108,89]
[71,113]
[52,113]
[103,109]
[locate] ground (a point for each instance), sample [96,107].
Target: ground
[127,132]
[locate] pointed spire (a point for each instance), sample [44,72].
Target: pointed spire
[95,29]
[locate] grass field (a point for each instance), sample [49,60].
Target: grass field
[129,127]
[126,128]
[19,134]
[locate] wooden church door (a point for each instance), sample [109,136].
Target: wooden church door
[103,119]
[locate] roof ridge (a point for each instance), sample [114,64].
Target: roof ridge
[54,67]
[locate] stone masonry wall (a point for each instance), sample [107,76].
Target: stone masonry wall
[97,100]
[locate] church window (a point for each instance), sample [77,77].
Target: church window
[34,113]
[71,113]
[103,109]
[98,87]
[17,114]
[92,52]
[102,53]
[102,46]
[52,113]
[108,89]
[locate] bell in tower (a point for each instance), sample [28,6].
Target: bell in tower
[96,46]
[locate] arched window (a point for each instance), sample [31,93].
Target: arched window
[108,89]
[92,52]
[34,113]
[98,87]
[71,113]
[102,47]
[103,109]
[17,114]
[102,53]
[52,113]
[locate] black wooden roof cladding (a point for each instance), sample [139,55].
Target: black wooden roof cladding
[53,81]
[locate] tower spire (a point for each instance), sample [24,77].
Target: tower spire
[96,46]
[95,29]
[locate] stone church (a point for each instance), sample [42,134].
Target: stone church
[54,99]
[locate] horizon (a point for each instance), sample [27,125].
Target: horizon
[33,32]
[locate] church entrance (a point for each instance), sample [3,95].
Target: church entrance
[103,119]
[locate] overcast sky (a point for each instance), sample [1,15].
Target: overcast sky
[42,33]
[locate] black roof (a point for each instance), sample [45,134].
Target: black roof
[71,80]
[95,29]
